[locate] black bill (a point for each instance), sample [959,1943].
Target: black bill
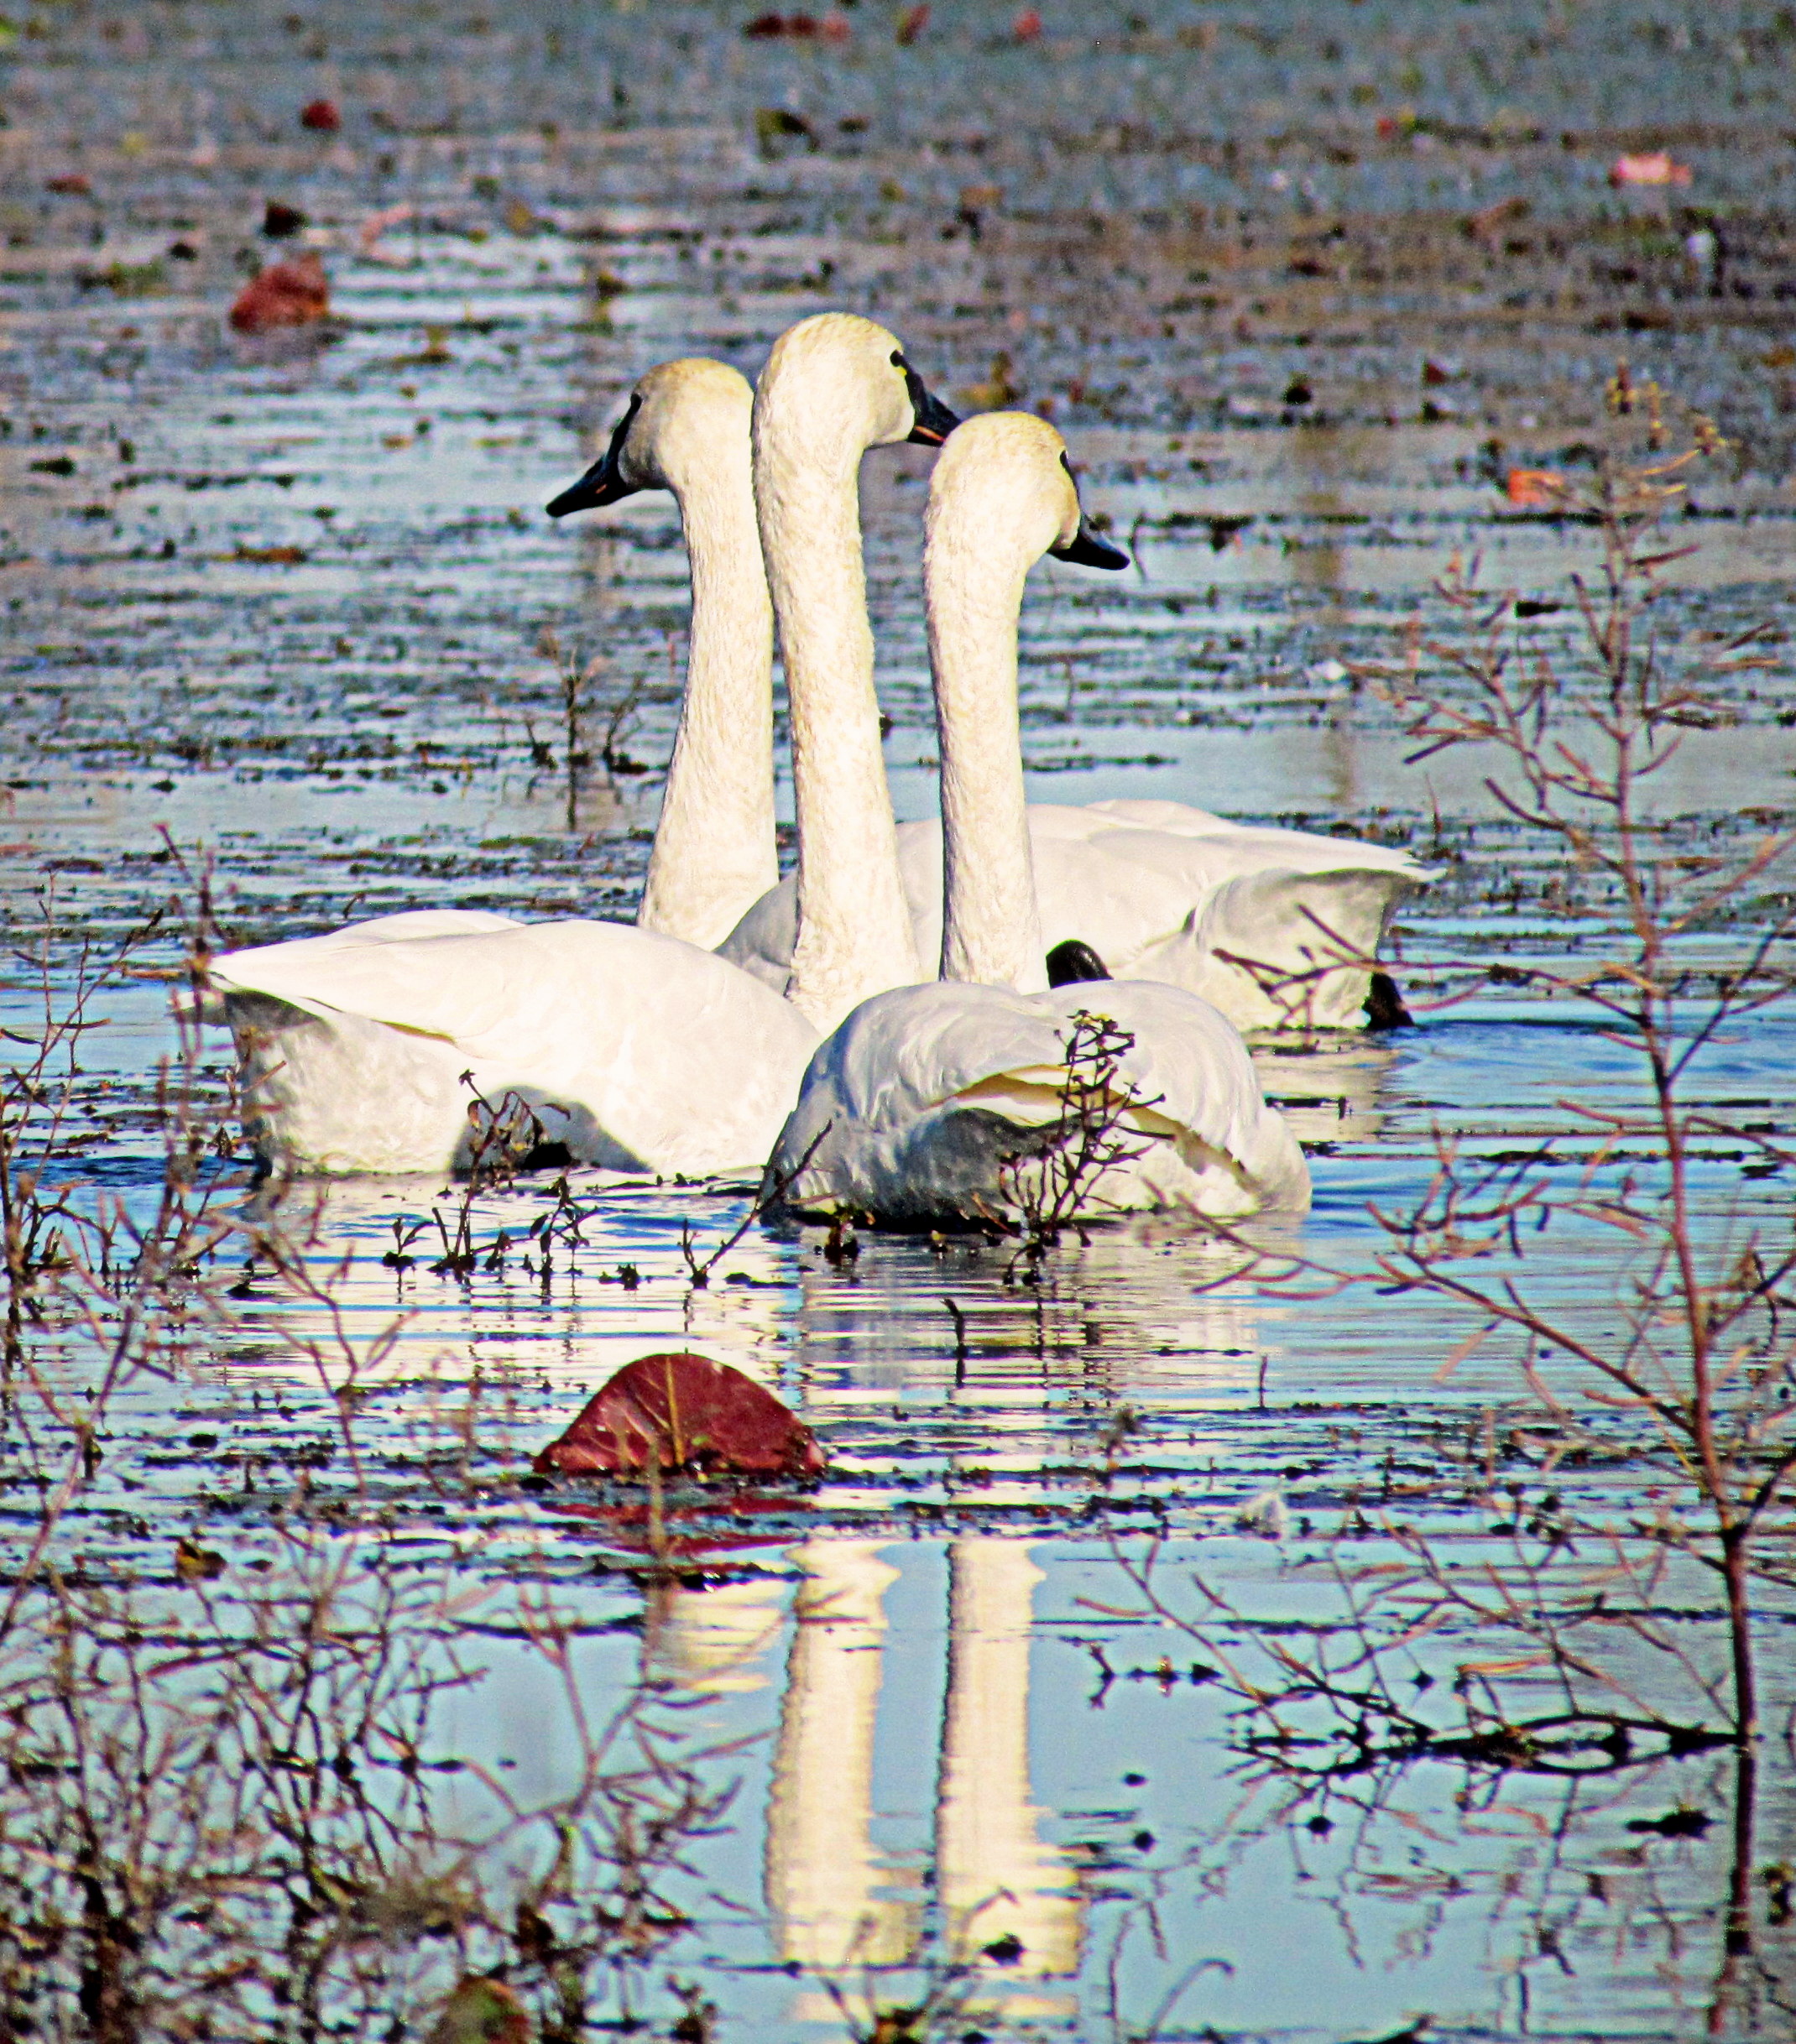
[603,482]
[932,419]
[1087,549]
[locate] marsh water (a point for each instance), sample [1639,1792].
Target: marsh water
[1301,286]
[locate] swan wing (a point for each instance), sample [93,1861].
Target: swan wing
[1081,887]
[1281,948]
[921,1105]
[1245,848]
[415,923]
[1087,820]
[1158,889]
[652,1054]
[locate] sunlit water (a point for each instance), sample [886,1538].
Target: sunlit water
[978,1747]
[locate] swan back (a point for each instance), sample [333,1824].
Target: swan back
[639,1052]
[920,1105]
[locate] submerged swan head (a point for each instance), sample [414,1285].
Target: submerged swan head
[841,383]
[1003,490]
[680,418]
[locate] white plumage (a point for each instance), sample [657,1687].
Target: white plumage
[635,1050]
[925,1103]
[1258,920]
[1163,891]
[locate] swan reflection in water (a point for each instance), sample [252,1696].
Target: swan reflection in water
[1008,1903]
[1147,1314]
[1183,1330]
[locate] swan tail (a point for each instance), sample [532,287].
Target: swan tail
[1283,950]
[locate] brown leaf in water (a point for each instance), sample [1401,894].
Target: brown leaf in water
[196,1564]
[289,293]
[1648,167]
[686,1412]
[1535,489]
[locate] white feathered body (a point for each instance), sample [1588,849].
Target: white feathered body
[1165,892]
[927,1103]
[637,1051]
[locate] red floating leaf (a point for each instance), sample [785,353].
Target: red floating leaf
[1648,167]
[321,116]
[1535,489]
[292,293]
[767,28]
[911,25]
[1027,26]
[686,1412]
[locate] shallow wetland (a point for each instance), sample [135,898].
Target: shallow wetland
[1012,1727]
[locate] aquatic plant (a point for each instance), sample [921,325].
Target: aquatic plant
[1054,1182]
[231,1803]
[1549,1640]
[1700,1351]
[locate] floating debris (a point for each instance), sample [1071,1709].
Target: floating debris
[686,1412]
[483,2010]
[1265,1514]
[1650,167]
[290,293]
[369,241]
[1535,489]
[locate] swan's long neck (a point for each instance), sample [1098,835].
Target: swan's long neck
[854,928]
[714,855]
[990,929]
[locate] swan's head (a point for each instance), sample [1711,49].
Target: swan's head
[838,382]
[1004,478]
[679,417]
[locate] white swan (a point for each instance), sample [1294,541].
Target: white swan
[834,386]
[1158,890]
[361,1048]
[925,1104]
[687,430]
[635,1050]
